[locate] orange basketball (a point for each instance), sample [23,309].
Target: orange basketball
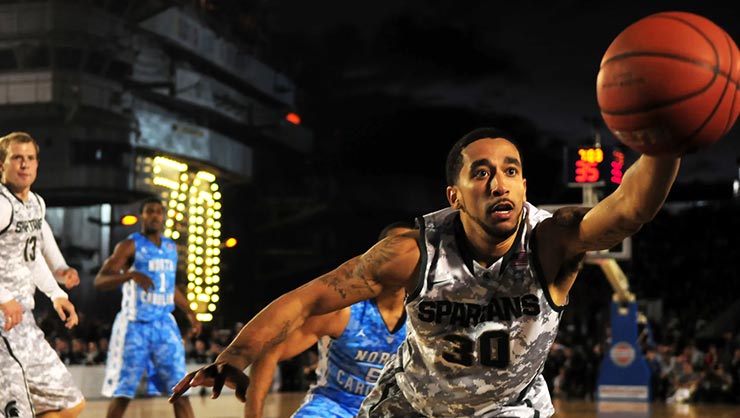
[668,84]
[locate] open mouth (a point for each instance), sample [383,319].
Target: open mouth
[503,207]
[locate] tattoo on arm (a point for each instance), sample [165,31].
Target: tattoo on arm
[279,338]
[355,276]
[571,217]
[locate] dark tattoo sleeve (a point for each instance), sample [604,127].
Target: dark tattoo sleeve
[356,276]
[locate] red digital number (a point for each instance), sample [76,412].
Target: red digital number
[586,172]
[617,167]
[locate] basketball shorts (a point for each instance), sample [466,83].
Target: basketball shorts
[387,400]
[133,345]
[32,373]
[315,406]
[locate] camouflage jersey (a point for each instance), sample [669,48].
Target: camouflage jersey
[18,242]
[477,337]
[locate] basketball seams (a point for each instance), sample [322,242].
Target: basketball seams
[695,28]
[648,54]
[655,60]
[659,105]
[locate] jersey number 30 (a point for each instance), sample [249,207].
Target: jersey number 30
[493,349]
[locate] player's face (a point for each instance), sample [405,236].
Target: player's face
[490,189]
[20,166]
[152,217]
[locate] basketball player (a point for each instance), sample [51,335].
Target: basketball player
[33,379]
[144,267]
[487,279]
[354,344]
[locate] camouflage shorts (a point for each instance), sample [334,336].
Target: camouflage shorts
[32,372]
[387,401]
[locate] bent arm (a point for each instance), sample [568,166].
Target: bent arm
[45,282]
[112,274]
[6,213]
[388,265]
[182,303]
[50,249]
[262,371]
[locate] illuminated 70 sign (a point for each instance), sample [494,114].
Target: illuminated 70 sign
[593,164]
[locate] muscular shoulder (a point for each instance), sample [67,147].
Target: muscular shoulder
[396,258]
[125,248]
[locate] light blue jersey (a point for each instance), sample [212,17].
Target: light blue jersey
[349,366]
[145,336]
[160,264]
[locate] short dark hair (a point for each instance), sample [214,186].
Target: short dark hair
[454,157]
[398,224]
[149,200]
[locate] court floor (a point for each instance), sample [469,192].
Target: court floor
[281,405]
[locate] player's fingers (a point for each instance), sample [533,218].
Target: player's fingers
[11,321]
[72,320]
[182,386]
[241,389]
[60,312]
[218,384]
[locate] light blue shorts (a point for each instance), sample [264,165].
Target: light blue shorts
[135,346]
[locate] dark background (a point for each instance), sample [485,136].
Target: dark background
[387,87]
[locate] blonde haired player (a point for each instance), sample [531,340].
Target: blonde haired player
[34,380]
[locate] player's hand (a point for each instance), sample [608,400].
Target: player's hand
[69,276]
[66,311]
[195,325]
[216,375]
[145,282]
[13,312]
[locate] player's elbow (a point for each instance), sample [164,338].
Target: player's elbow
[100,283]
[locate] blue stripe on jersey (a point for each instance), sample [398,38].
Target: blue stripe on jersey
[160,264]
[350,365]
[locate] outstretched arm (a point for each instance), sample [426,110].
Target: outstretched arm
[636,201]
[388,265]
[112,274]
[571,232]
[261,372]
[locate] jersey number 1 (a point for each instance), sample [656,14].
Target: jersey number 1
[493,349]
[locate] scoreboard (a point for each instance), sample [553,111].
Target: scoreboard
[590,165]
